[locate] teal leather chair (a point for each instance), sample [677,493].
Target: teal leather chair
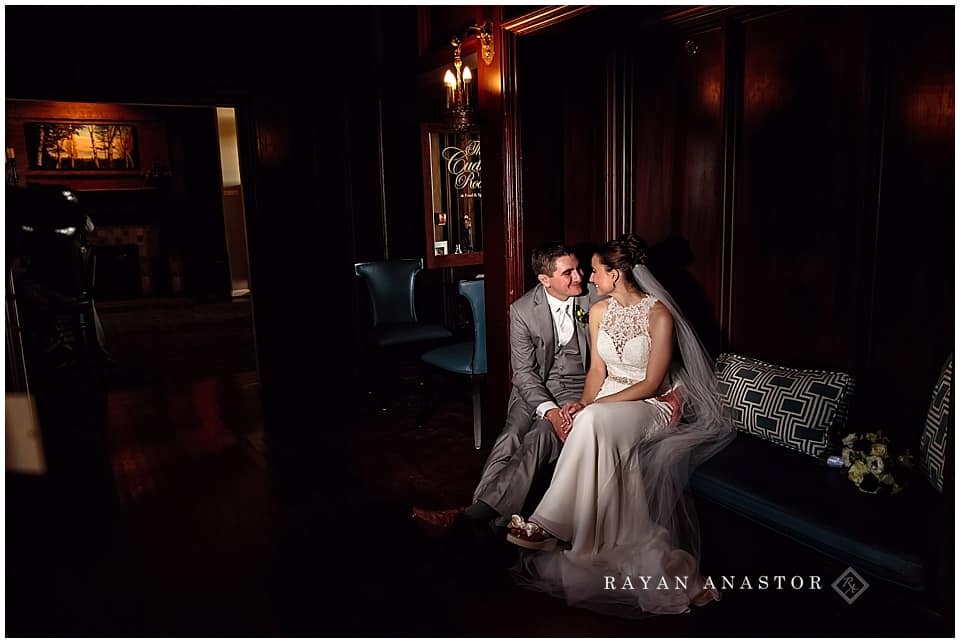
[394,326]
[468,358]
[391,287]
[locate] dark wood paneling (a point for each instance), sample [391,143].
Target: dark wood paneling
[582,89]
[655,147]
[401,134]
[562,126]
[913,300]
[542,138]
[439,24]
[619,120]
[690,260]
[367,196]
[302,255]
[679,160]
[800,188]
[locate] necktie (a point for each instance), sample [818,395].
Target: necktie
[564,325]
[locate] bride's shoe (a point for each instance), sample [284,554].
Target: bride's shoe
[529,535]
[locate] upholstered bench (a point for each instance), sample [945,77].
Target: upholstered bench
[775,473]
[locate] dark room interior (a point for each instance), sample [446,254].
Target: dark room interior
[205,436]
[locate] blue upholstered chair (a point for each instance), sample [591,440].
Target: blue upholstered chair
[394,324]
[467,358]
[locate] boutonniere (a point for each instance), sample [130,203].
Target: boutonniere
[582,316]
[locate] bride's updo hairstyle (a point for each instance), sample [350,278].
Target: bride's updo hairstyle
[623,253]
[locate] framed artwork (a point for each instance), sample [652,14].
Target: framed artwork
[69,146]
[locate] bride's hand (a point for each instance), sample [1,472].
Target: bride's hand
[573,408]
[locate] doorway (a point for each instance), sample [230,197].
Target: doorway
[171,279]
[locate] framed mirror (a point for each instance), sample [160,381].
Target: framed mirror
[452,196]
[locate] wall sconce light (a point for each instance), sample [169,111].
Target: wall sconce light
[457,81]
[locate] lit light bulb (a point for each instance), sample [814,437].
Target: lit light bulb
[467,77]
[451,82]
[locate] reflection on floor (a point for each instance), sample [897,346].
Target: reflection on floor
[154,431]
[215,529]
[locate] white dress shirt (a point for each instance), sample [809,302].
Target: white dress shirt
[564,327]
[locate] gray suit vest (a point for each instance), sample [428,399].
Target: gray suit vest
[566,377]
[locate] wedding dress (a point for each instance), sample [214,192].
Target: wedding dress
[617,494]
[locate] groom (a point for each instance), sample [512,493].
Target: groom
[549,348]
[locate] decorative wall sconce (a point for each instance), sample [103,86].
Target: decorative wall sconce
[458,80]
[485,34]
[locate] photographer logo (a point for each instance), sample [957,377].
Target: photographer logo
[850,585]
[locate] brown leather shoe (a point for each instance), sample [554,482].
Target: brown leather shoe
[436,522]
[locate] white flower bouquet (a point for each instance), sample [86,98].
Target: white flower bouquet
[871,464]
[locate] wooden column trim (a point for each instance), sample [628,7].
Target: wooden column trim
[732,124]
[503,215]
[543,18]
[382,180]
[619,126]
[512,176]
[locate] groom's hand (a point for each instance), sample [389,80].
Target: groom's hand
[561,422]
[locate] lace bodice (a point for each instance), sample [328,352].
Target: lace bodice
[624,343]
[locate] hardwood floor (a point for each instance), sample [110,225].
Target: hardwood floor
[216,523]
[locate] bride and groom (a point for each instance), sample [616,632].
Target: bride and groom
[600,391]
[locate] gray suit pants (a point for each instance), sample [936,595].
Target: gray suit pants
[524,448]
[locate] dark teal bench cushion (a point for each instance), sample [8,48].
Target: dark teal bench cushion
[890,537]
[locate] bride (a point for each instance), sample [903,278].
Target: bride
[645,421]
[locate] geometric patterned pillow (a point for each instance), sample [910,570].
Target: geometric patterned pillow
[933,442]
[803,410]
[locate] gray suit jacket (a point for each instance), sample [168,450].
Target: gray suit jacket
[532,340]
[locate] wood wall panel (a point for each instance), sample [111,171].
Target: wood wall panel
[679,170]
[543,139]
[365,156]
[562,119]
[696,276]
[800,184]
[582,133]
[655,143]
[439,24]
[913,301]
[403,179]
